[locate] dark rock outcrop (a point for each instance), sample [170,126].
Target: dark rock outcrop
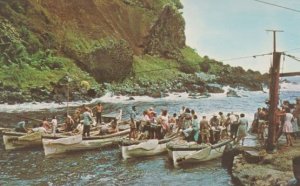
[166,36]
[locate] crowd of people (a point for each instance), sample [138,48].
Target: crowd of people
[287,121]
[188,123]
[79,122]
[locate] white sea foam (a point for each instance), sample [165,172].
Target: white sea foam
[292,84]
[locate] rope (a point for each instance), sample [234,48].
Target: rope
[282,67]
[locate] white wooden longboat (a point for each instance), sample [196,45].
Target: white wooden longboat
[53,145]
[192,153]
[18,140]
[151,147]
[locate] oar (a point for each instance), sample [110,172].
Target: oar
[2,129]
[38,120]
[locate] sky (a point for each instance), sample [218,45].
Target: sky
[226,29]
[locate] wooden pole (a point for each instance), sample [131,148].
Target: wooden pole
[274,96]
[274,100]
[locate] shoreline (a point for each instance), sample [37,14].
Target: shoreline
[266,169]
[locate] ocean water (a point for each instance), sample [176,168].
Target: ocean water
[105,166]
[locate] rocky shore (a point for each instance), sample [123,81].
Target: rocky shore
[265,169]
[198,85]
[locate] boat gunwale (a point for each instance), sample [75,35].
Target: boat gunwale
[121,133]
[161,141]
[197,148]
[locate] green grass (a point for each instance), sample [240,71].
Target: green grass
[27,76]
[191,58]
[154,69]
[82,44]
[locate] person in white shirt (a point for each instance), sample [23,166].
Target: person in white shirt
[233,125]
[54,124]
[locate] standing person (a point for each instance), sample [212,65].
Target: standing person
[222,127]
[295,121]
[173,122]
[222,119]
[204,130]
[54,124]
[99,109]
[164,121]
[87,119]
[196,128]
[214,123]
[279,116]
[254,126]
[296,114]
[187,119]
[46,124]
[182,110]
[69,123]
[84,108]
[21,126]
[233,125]
[242,129]
[133,123]
[288,127]
[227,125]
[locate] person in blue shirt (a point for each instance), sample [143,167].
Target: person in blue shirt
[87,119]
[21,126]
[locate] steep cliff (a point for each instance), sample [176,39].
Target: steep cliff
[98,41]
[101,36]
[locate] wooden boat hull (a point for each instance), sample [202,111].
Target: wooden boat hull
[17,140]
[132,151]
[185,155]
[146,148]
[54,146]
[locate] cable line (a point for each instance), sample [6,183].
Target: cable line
[292,57]
[272,4]
[228,59]
[246,57]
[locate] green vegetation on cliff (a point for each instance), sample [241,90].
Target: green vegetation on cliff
[114,41]
[40,41]
[154,69]
[24,64]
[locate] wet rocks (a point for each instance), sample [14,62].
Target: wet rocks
[265,169]
[255,174]
[232,93]
[214,88]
